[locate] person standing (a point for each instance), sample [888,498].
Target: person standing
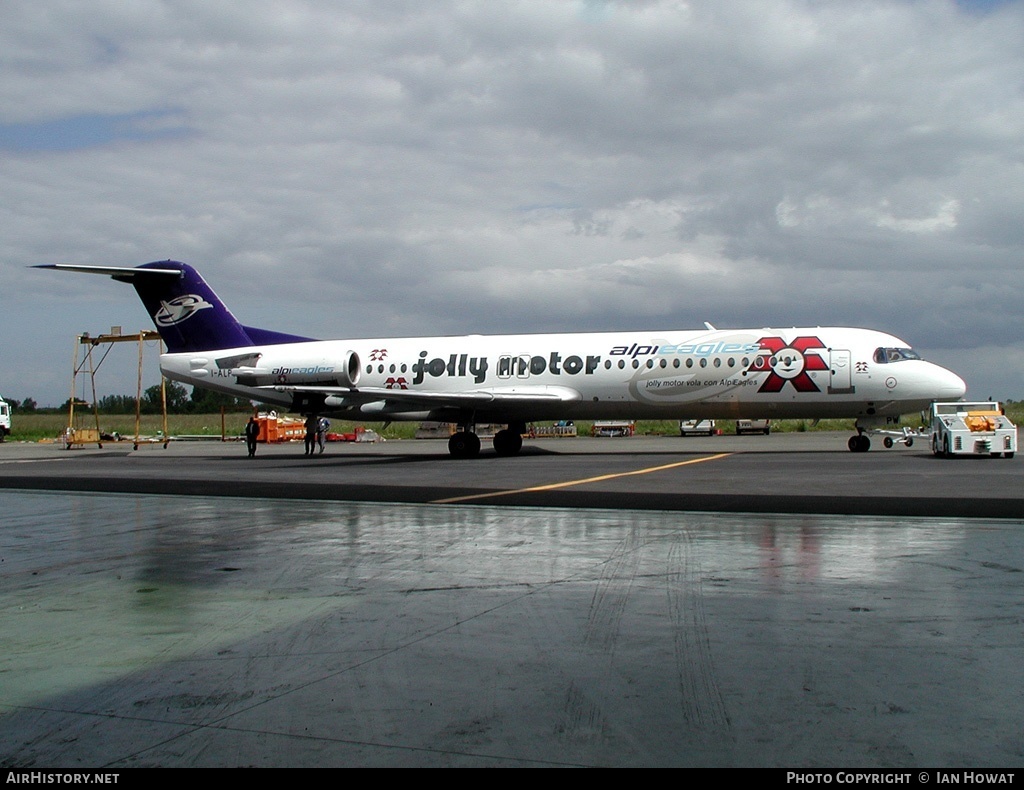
[252,432]
[311,426]
[321,432]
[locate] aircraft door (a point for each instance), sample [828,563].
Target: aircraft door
[518,366]
[839,365]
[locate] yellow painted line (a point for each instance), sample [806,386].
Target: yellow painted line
[584,481]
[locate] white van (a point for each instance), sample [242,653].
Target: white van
[5,419]
[695,427]
[753,426]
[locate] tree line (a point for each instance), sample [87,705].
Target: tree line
[179,401]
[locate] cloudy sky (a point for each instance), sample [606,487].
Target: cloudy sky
[390,167]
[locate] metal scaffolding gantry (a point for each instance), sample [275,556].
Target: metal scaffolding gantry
[77,435]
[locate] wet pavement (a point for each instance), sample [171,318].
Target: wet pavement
[158,630]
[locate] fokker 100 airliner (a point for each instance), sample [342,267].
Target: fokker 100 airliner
[807,373]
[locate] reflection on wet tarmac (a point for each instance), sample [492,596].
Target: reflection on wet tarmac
[149,630]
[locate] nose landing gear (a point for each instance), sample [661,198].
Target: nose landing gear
[884,427]
[859,443]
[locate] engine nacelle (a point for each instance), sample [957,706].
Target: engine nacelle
[309,370]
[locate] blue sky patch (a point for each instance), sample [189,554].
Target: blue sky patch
[90,131]
[982,6]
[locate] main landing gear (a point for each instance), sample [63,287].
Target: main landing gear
[464,443]
[510,440]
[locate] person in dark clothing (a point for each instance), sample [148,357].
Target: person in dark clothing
[311,426]
[321,432]
[252,432]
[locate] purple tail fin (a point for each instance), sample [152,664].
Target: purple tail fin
[186,311]
[191,317]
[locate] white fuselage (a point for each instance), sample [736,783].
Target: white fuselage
[760,373]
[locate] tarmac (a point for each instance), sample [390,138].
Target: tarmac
[649,601]
[781,473]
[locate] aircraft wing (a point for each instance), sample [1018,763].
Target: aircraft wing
[421,399]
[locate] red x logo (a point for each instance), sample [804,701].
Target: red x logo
[788,363]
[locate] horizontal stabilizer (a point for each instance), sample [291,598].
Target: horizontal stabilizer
[125,273]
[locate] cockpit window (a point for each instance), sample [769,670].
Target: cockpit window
[884,355]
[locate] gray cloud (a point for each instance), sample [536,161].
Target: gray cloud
[377,168]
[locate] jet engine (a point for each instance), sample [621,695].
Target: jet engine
[266,370]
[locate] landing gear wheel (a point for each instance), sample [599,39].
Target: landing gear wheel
[859,443]
[887,442]
[464,444]
[507,442]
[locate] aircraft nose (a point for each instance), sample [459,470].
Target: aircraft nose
[948,385]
